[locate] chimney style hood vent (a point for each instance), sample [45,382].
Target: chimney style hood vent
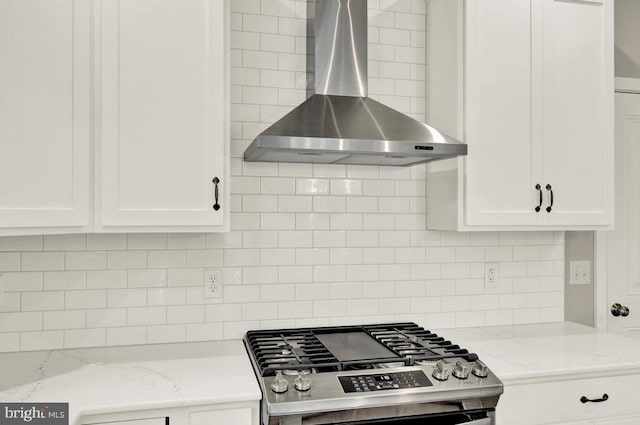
[340,124]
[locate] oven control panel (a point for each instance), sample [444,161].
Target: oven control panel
[384,381]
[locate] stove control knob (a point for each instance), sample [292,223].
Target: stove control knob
[279,384]
[440,372]
[480,369]
[460,371]
[302,382]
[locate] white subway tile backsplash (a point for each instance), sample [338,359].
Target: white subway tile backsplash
[146,241]
[64,280]
[310,245]
[21,243]
[362,273]
[145,278]
[41,301]
[42,340]
[295,203]
[206,332]
[166,296]
[85,260]
[106,318]
[126,298]
[132,335]
[104,279]
[126,259]
[77,338]
[312,186]
[203,258]
[166,334]
[32,261]
[20,321]
[64,242]
[186,241]
[185,314]
[312,221]
[85,299]
[15,282]
[295,310]
[63,319]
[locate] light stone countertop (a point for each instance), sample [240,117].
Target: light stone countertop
[547,352]
[120,379]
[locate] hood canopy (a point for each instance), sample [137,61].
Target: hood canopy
[340,124]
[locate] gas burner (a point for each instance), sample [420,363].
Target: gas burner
[388,365]
[296,372]
[426,362]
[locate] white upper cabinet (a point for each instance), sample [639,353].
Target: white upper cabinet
[143,86]
[44,116]
[528,85]
[578,110]
[162,137]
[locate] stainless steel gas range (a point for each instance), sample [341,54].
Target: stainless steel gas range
[397,373]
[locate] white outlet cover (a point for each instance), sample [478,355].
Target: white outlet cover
[580,273]
[212,283]
[2,296]
[491,275]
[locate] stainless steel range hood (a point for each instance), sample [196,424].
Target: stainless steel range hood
[339,124]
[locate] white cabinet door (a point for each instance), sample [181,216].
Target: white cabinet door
[44,116]
[162,114]
[538,110]
[238,416]
[501,171]
[578,110]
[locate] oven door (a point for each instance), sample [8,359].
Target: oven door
[363,417]
[461,418]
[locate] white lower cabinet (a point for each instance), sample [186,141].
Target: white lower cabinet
[150,421]
[559,402]
[238,413]
[241,416]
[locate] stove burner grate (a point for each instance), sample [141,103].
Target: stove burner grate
[300,349]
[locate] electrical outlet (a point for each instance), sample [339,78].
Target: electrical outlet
[579,272]
[2,296]
[213,283]
[491,275]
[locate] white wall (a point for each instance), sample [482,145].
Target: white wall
[311,245]
[627,28]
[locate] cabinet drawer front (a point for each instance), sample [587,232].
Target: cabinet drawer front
[558,402]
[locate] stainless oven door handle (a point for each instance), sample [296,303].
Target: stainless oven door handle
[483,421]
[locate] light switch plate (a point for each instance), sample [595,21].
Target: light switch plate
[579,272]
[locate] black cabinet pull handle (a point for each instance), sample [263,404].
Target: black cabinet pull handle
[551,200]
[539,189]
[584,399]
[216,206]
